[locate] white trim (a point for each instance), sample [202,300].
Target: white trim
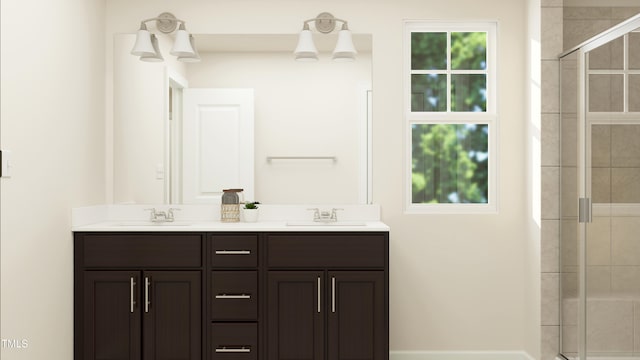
[459,355]
[488,117]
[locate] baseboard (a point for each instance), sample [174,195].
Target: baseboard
[459,355]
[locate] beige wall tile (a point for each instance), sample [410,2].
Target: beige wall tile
[601,145]
[577,31]
[569,140]
[550,342]
[569,191]
[569,86]
[623,13]
[625,281]
[550,295]
[634,92]
[636,326]
[550,192]
[601,185]
[550,247]
[608,56]
[569,243]
[610,325]
[625,241]
[569,339]
[624,185]
[599,241]
[550,86]
[551,30]
[634,51]
[625,146]
[605,92]
[587,13]
[570,311]
[550,139]
[569,285]
[598,281]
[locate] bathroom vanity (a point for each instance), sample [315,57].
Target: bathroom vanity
[225,293]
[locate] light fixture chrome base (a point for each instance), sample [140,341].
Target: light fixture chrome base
[166,23]
[325,23]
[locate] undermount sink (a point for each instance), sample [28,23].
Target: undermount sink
[150,223]
[325,223]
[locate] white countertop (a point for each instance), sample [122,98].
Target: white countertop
[217,226]
[197,218]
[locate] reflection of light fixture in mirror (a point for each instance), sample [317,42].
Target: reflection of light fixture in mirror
[325,23]
[195,57]
[146,45]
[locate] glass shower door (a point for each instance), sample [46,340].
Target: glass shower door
[600,199]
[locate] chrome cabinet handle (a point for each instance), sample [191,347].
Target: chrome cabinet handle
[233,296]
[132,286]
[241,349]
[147,301]
[233,252]
[319,294]
[333,294]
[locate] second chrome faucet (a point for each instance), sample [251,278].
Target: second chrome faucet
[325,215]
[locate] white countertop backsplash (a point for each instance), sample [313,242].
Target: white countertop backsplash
[207,218]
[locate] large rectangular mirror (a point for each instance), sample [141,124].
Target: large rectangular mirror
[301,136]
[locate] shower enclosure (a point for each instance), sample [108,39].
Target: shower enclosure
[600,196]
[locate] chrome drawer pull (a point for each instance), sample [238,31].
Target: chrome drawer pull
[132,284]
[333,294]
[319,294]
[242,349]
[147,300]
[233,296]
[233,252]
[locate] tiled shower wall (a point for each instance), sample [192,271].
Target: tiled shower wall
[564,28]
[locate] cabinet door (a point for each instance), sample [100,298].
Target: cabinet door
[296,312]
[111,313]
[171,306]
[357,319]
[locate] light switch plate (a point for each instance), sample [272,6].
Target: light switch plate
[5,159]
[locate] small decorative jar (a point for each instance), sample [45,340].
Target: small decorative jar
[230,211]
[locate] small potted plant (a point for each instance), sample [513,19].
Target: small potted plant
[250,211]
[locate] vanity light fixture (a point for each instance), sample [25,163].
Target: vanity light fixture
[146,45]
[325,23]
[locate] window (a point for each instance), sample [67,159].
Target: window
[450,116]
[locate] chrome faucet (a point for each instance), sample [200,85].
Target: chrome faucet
[161,216]
[325,215]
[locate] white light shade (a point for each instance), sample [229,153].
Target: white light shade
[182,45]
[143,46]
[157,56]
[344,51]
[191,58]
[306,49]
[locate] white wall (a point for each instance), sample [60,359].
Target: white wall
[532,79]
[52,118]
[458,282]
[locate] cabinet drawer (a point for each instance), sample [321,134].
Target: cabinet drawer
[234,341]
[142,250]
[234,295]
[234,251]
[326,250]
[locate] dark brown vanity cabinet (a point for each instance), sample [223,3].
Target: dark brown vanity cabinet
[231,296]
[327,296]
[138,296]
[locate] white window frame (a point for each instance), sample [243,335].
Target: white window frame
[488,117]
